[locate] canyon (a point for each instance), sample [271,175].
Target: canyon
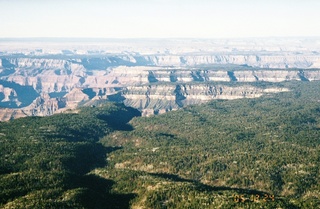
[39,83]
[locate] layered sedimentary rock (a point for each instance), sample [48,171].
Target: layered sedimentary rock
[260,60]
[153,83]
[163,98]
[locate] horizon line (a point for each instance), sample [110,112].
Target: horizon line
[145,38]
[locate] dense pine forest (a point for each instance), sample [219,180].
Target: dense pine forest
[247,153]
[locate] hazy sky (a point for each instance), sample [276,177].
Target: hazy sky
[159,18]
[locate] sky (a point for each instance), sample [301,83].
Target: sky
[159,18]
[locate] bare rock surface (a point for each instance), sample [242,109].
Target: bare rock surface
[41,78]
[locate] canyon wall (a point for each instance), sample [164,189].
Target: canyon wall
[153,83]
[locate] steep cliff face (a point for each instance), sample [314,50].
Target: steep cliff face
[44,106]
[157,99]
[269,75]
[48,75]
[102,62]
[151,83]
[152,75]
[8,95]
[261,61]
[45,75]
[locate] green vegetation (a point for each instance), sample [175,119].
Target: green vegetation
[210,153]
[45,161]
[248,153]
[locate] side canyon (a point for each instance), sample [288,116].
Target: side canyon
[44,84]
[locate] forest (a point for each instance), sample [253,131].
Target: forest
[246,153]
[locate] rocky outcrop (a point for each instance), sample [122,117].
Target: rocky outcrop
[154,79]
[44,106]
[162,98]
[8,114]
[260,61]
[8,95]
[150,89]
[52,75]
[278,60]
